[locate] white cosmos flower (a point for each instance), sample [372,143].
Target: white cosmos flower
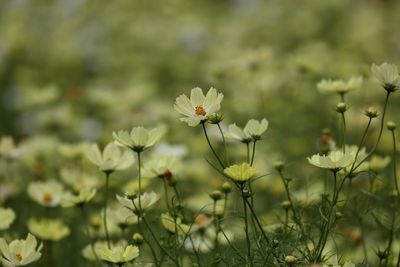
[256,128]
[138,139]
[48,194]
[335,160]
[48,229]
[162,165]
[84,196]
[199,107]
[387,75]
[118,254]
[7,216]
[327,86]
[20,252]
[237,133]
[112,159]
[146,200]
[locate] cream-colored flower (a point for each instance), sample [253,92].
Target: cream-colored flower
[122,216]
[174,225]
[7,216]
[20,252]
[339,86]
[146,200]
[237,133]
[72,150]
[48,194]
[240,173]
[377,163]
[88,253]
[48,229]
[74,177]
[138,139]
[335,160]
[112,159]
[199,107]
[119,254]
[387,75]
[163,165]
[84,196]
[8,150]
[256,128]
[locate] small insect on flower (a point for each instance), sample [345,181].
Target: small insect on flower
[20,252]
[112,159]
[199,107]
[139,139]
[387,75]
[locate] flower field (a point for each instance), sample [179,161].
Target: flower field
[199,133]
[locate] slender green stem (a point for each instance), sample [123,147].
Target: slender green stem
[394,163]
[217,230]
[253,153]
[105,209]
[87,230]
[379,135]
[225,148]
[211,147]
[166,196]
[158,243]
[139,180]
[344,132]
[246,227]
[296,217]
[326,230]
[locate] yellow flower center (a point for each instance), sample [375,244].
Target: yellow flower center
[47,197]
[108,158]
[18,257]
[200,111]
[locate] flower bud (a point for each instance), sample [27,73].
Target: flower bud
[215,118]
[371,112]
[285,204]
[226,188]
[137,239]
[391,125]
[341,107]
[279,165]
[216,195]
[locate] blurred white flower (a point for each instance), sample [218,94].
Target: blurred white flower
[335,160]
[387,75]
[20,252]
[118,254]
[8,150]
[48,194]
[256,128]
[138,139]
[132,202]
[48,229]
[199,107]
[339,86]
[7,216]
[84,196]
[112,158]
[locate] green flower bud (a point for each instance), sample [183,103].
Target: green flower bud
[391,125]
[341,107]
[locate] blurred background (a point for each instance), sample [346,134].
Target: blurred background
[76,70]
[79,69]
